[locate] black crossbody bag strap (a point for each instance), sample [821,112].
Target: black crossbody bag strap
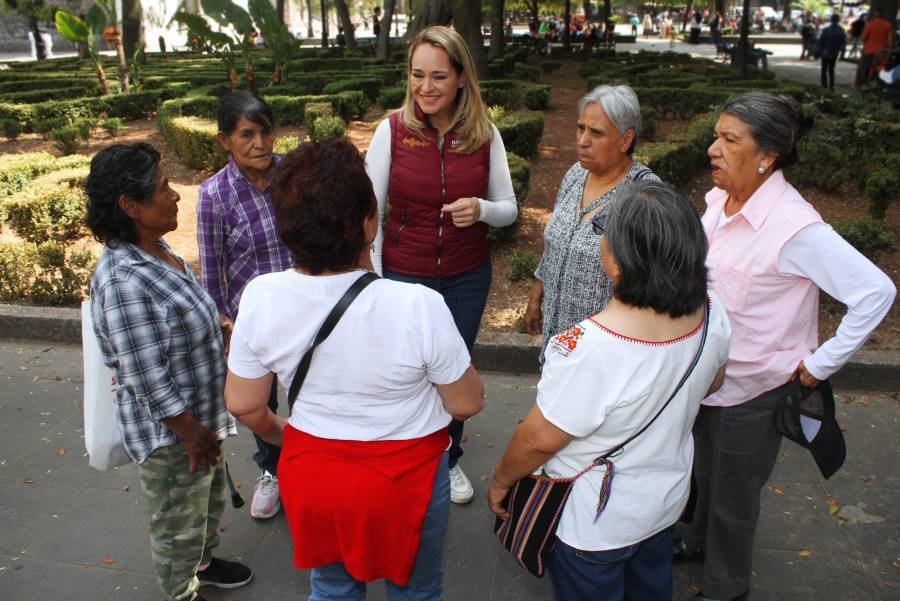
[684,378]
[324,330]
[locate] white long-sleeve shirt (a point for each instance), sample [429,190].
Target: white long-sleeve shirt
[819,254]
[497,210]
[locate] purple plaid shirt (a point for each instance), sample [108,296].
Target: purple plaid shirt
[237,236]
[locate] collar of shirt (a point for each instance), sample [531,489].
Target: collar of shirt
[130,254]
[234,173]
[758,206]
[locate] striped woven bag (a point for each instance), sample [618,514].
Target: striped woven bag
[535,503]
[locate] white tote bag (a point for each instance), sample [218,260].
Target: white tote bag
[102,436]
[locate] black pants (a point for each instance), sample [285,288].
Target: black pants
[267,455]
[828,72]
[735,449]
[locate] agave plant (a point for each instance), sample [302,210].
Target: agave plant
[199,30]
[277,36]
[229,15]
[85,32]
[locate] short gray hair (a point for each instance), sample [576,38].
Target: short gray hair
[621,106]
[777,123]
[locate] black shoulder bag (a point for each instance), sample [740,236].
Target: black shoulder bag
[324,330]
[535,503]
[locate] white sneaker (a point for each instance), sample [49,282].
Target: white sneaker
[266,500]
[461,490]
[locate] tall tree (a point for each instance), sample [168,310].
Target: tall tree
[34,11]
[430,12]
[586,5]
[497,33]
[132,27]
[309,19]
[567,21]
[743,53]
[467,21]
[343,12]
[888,10]
[280,9]
[607,10]
[384,36]
[324,13]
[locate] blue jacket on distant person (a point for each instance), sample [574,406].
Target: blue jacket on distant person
[832,42]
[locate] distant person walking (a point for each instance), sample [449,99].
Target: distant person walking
[831,45]
[875,37]
[376,21]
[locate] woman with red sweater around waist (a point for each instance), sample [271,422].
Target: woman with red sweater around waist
[442,165]
[363,467]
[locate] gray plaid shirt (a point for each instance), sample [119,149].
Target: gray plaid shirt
[159,333]
[575,286]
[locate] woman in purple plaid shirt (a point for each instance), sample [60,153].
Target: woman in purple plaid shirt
[238,240]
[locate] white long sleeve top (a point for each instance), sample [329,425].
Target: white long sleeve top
[497,210]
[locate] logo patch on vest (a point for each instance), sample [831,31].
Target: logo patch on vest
[414,142]
[566,342]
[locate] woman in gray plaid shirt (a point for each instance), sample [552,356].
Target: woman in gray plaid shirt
[159,332]
[570,284]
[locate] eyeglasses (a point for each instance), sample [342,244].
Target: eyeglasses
[598,222]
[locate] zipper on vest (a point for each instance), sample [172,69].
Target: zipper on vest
[402,226]
[440,240]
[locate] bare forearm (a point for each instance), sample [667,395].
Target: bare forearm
[265,424]
[520,459]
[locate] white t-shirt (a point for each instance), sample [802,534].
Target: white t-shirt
[601,387]
[373,377]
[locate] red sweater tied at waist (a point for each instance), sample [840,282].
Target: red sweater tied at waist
[358,503]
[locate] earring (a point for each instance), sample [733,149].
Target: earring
[761,169]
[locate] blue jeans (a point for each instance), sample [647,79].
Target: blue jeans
[639,572]
[268,454]
[331,582]
[465,295]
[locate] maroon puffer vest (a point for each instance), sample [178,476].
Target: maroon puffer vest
[419,240]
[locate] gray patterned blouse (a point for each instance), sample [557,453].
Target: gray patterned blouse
[575,286]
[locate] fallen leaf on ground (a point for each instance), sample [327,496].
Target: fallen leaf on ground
[805,553]
[35,379]
[223,528]
[868,478]
[61,452]
[833,506]
[776,490]
[29,481]
[237,483]
[47,350]
[862,401]
[125,488]
[464,439]
[109,562]
[896,562]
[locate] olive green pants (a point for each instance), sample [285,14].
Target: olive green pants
[185,510]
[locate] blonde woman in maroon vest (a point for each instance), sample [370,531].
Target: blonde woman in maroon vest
[443,166]
[769,254]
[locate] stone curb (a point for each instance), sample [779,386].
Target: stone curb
[494,351]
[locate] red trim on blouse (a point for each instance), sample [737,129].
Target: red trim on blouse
[650,342]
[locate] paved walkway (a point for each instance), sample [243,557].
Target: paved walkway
[70,532]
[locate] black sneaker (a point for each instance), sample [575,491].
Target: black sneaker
[225,574]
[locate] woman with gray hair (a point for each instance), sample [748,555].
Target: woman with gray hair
[570,283]
[613,378]
[769,254]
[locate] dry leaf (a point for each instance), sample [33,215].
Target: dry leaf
[464,439]
[868,478]
[833,507]
[896,562]
[125,488]
[223,528]
[35,379]
[776,490]
[29,481]
[237,483]
[61,452]
[47,350]
[805,553]
[109,562]
[862,401]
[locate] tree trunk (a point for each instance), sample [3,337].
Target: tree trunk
[324,11]
[785,15]
[888,10]
[101,76]
[384,36]
[567,21]
[132,26]
[280,9]
[743,53]
[586,5]
[686,18]
[431,12]
[467,21]
[607,11]
[121,62]
[343,12]
[309,17]
[40,49]
[497,33]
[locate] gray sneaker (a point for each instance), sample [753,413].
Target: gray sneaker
[461,491]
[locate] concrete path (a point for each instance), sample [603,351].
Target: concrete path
[70,532]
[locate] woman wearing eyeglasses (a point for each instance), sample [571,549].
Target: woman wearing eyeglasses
[570,282]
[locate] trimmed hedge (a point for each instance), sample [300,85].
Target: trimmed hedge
[46,274]
[391,98]
[527,72]
[867,236]
[46,212]
[327,128]
[536,96]
[17,170]
[370,86]
[521,131]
